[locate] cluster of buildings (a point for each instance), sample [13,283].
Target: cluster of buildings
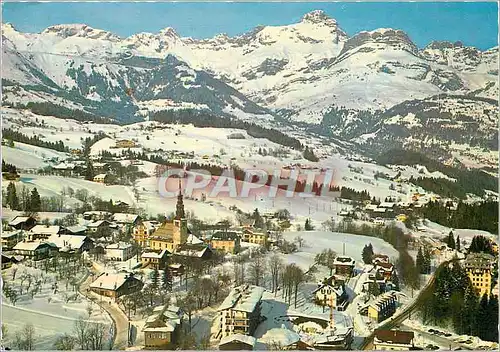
[175,237]
[331,291]
[241,312]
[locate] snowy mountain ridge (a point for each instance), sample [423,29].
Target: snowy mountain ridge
[310,72]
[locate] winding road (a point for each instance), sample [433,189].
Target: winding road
[399,318]
[120,320]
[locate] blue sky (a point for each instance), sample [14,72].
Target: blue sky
[474,24]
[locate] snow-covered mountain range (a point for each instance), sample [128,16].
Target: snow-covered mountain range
[311,73]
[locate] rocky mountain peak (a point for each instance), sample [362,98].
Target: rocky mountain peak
[8,27]
[169,32]
[319,17]
[387,36]
[437,44]
[80,30]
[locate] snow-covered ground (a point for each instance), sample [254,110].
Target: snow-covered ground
[435,230]
[52,314]
[317,241]
[475,344]
[27,156]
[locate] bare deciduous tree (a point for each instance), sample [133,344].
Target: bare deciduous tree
[25,338]
[299,240]
[257,269]
[96,334]
[275,266]
[14,271]
[81,328]
[64,342]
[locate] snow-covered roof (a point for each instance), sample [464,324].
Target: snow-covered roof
[243,298]
[155,255]
[192,239]
[344,260]
[100,164]
[18,220]
[76,228]
[9,234]
[225,236]
[151,225]
[168,326]
[387,205]
[192,250]
[382,299]
[125,218]
[337,290]
[98,223]
[379,210]
[100,176]
[68,241]
[30,246]
[283,336]
[110,281]
[64,166]
[45,230]
[96,212]
[119,245]
[371,207]
[249,340]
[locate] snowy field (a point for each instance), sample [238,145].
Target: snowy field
[317,241]
[51,312]
[435,230]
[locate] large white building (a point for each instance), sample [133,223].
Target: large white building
[119,251]
[240,311]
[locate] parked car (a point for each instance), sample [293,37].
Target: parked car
[448,334]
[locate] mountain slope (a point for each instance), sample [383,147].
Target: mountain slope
[373,88]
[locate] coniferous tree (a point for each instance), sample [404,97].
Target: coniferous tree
[492,334]
[155,279]
[167,279]
[308,226]
[480,244]
[258,221]
[456,303]
[12,200]
[89,171]
[427,261]
[482,316]
[451,240]
[367,253]
[420,262]
[457,243]
[35,202]
[395,280]
[468,310]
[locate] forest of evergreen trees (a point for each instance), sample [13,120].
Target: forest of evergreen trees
[467,181]
[10,168]
[352,194]
[479,216]
[50,109]
[454,302]
[205,119]
[16,136]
